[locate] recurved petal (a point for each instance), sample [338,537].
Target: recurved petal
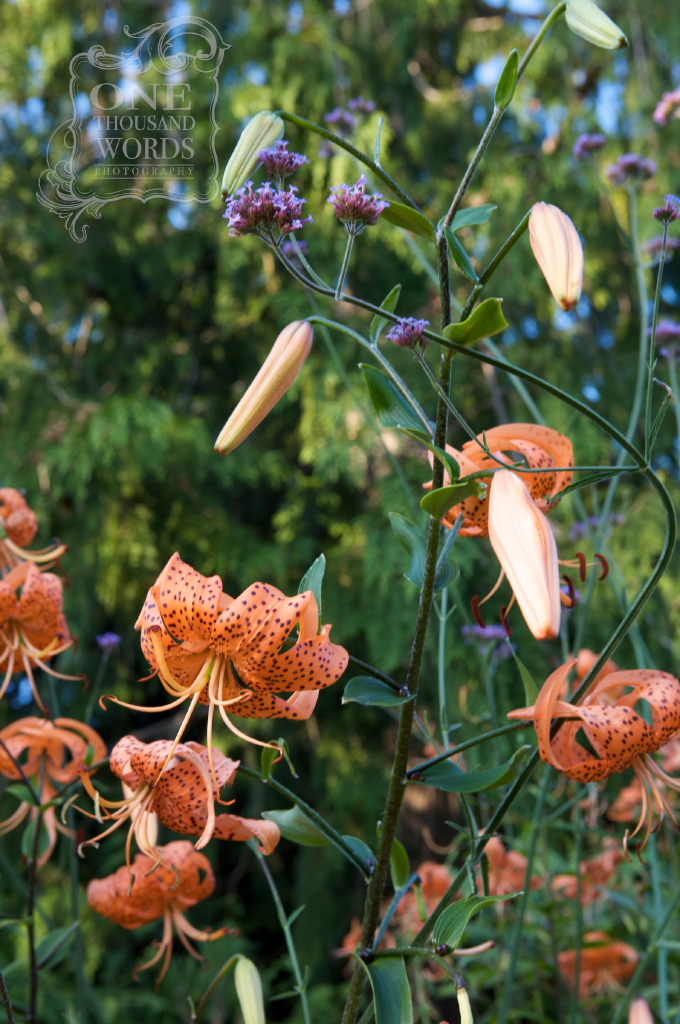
[40,604]
[260,619]
[9,603]
[187,601]
[265,705]
[311,664]
[558,251]
[230,826]
[21,527]
[524,545]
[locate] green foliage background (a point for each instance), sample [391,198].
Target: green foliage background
[121,358]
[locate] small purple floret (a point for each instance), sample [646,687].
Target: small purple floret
[630,167]
[259,212]
[670,210]
[586,144]
[107,640]
[279,163]
[408,332]
[654,245]
[354,208]
[666,330]
[361,105]
[341,120]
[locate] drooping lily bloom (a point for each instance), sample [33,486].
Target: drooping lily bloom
[639,1012]
[158,888]
[620,737]
[507,870]
[512,514]
[226,653]
[557,247]
[32,625]
[49,754]
[603,964]
[20,526]
[595,874]
[182,797]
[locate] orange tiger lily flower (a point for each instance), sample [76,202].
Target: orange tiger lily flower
[32,626]
[54,752]
[156,889]
[20,526]
[619,736]
[206,646]
[595,874]
[507,870]
[182,797]
[512,515]
[603,964]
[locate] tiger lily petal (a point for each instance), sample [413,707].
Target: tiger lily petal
[158,888]
[525,546]
[18,527]
[604,964]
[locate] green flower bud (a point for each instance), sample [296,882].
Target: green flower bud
[262,132]
[249,991]
[585,19]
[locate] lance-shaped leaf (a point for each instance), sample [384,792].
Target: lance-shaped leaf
[400,869]
[507,83]
[369,691]
[447,461]
[412,538]
[390,406]
[391,993]
[54,946]
[313,579]
[530,688]
[460,256]
[407,217]
[472,215]
[297,827]
[437,503]
[449,929]
[450,777]
[363,852]
[389,304]
[485,320]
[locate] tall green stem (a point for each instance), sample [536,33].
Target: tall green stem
[442,612]
[31,1014]
[285,926]
[662,954]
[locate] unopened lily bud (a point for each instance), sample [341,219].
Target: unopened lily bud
[249,991]
[262,132]
[525,546]
[276,375]
[639,1012]
[587,20]
[464,1008]
[558,251]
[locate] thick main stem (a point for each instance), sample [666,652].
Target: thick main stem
[31,1015]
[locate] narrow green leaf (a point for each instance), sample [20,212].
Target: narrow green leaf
[359,847]
[297,827]
[28,838]
[413,539]
[448,776]
[371,692]
[449,929]
[447,461]
[390,406]
[21,791]
[460,256]
[400,869]
[376,147]
[485,320]
[446,569]
[530,688]
[89,753]
[296,913]
[585,481]
[56,942]
[313,579]
[267,758]
[391,993]
[472,215]
[407,217]
[507,83]
[286,753]
[438,503]
[389,304]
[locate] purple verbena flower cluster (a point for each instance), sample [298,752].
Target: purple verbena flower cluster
[361,105]
[670,210]
[630,167]
[259,212]
[654,246]
[107,640]
[586,144]
[341,121]
[489,638]
[408,332]
[354,207]
[666,330]
[279,164]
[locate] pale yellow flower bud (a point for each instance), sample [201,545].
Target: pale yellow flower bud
[525,546]
[262,132]
[464,1007]
[249,991]
[558,252]
[639,1012]
[276,375]
[587,20]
